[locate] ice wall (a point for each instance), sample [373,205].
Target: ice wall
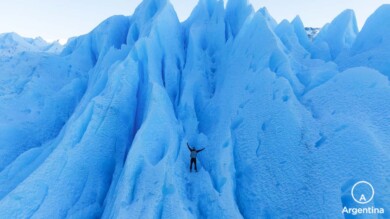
[288,124]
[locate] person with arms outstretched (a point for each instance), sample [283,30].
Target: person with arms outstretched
[194,152]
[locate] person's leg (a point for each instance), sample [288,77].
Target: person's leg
[196,169]
[192,161]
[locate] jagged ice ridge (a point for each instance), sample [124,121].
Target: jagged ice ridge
[289,124]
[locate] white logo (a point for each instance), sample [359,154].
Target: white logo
[363,192]
[361,198]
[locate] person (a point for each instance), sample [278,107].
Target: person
[194,152]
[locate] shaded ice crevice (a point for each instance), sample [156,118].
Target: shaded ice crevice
[262,98]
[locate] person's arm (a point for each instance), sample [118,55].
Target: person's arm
[200,150]
[189,148]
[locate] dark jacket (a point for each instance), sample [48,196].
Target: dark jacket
[194,152]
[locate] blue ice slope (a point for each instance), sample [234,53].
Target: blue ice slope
[289,124]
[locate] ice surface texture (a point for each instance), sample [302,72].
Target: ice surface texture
[289,124]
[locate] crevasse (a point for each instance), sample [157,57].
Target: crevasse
[289,124]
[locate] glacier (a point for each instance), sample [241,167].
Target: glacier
[11,44]
[290,122]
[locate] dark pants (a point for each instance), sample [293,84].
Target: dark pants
[193,161]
